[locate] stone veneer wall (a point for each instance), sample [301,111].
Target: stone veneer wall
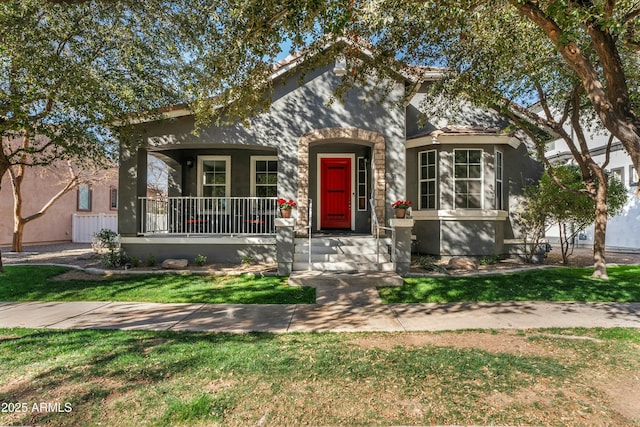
[346,135]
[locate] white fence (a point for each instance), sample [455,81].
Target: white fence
[84,226]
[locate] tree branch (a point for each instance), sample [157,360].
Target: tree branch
[71,184]
[607,155]
[540,150]
[543,101]
[604,44]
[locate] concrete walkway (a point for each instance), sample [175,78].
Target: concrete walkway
[341,307]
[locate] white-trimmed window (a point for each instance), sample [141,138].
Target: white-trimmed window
[214,176]
[113,198]
[618,173]
[633,176]
[85,195]
[499,170]
[264,176]
[362,183]
[468,179]
[427,179]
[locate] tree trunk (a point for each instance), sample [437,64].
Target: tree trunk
[18,224]
[600,232]
[564,242]
[4,167]
[18,231]
[19,221]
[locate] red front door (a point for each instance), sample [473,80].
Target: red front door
[335,192]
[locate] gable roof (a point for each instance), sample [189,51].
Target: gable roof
[415,75]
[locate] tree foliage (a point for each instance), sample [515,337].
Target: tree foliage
[569,206]
[503,51]
[68,73]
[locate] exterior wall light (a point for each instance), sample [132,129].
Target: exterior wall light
[340,67]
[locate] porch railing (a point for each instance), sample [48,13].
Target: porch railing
[208,215]
[378,227]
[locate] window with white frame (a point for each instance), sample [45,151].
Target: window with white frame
[113,198]
[427,177]
[214,176]
[84,197]
[362,183]
[264,176]
[618,173]
[633,176]
[467,176]
[499,170]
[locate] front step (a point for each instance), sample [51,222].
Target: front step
[345,267]
[314,278]
[342,254]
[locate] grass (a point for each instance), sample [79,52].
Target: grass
[557,284]
[38,283]
[536,377]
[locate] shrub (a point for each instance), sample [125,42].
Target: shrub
[107,242]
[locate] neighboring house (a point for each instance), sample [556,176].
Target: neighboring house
[336,160]
[73,217]
[623,231]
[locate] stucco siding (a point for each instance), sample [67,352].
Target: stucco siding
[427,237]
[39,185]
[215,253]
[470,238]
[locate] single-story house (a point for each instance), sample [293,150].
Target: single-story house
[343,161]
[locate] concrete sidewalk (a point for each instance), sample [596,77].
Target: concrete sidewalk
[344,303]
[329,316]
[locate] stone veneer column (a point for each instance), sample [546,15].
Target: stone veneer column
[374,139]
[402,248]
[284,245]
[303,183]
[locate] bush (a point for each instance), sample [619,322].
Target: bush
[200,260]
[107,242]
[490,259]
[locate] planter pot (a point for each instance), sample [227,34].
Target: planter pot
[400,213]
[286,213]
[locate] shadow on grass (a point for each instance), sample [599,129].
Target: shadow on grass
[558,284]
[36,284]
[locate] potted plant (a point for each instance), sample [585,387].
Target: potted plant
[400,207]
[285,207]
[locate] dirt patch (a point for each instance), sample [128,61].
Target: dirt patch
[539,400]
[583,257]
[624,395]
[505,342]
[244,268]
[211,269]
[80,275]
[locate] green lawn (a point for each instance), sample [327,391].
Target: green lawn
[37,283]
[553,284]
[536,377]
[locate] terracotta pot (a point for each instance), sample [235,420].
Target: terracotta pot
[286,213]
[400,213]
